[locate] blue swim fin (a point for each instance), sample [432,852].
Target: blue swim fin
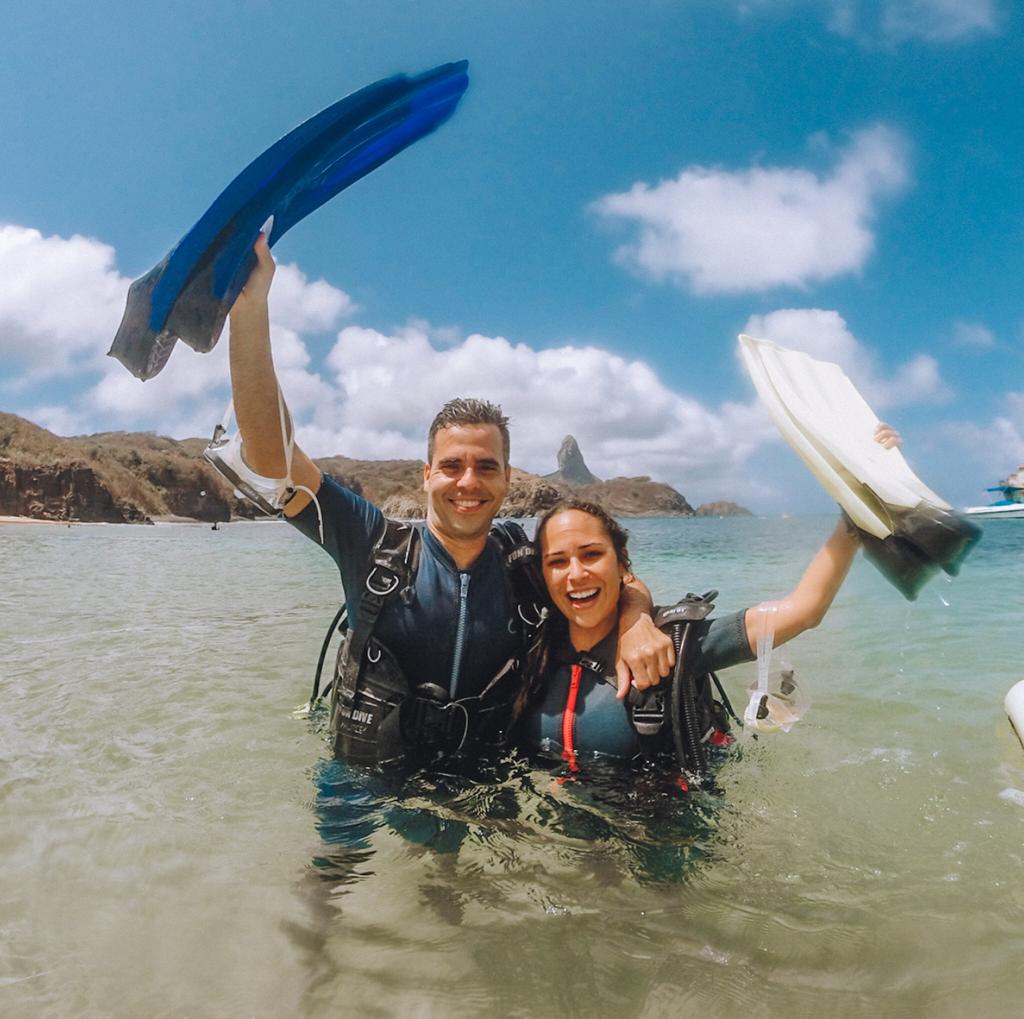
[187,295]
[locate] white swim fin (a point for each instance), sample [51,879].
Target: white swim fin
[908,531]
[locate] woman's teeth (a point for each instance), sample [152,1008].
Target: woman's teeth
[579,596]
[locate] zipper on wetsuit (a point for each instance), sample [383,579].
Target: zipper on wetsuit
[569,718]
[460,634]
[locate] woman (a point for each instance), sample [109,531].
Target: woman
[572,705]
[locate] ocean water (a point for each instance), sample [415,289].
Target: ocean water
[175,842]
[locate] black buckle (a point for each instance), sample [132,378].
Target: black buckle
[431,718]
[648,711]
[591,664]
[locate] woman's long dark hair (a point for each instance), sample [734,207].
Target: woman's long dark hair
[555,628]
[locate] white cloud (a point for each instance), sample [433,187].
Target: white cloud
[184,399]
[297,304]
[189,396]
[725,231]
[878,24]
[973,334]
[888,22]
[57,419]
[60,302]
[826,336]
[60,305]
[626,420]
[995,449]
[376,393]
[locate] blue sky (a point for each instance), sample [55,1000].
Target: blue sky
[624,188]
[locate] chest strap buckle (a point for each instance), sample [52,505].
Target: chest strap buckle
[648,710]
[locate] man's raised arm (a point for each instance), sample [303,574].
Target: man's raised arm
[254,386]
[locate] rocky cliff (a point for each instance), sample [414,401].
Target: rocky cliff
[636,497]
[115,477]
[622,497]
[572,468]
[136,477]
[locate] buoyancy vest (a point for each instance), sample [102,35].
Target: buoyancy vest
[679,717]
[379,714]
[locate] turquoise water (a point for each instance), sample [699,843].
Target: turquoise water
[176,843]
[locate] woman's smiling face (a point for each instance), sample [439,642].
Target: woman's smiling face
[583,574]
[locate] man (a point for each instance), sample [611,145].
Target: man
[446,621]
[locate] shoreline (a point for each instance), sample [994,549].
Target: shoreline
[99,523]
[162,519]
[171,519]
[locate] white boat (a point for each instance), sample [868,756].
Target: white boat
[1007,510]
[1011,506]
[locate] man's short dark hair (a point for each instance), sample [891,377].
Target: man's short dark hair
[469,412]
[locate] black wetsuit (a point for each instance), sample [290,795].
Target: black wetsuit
[423,635]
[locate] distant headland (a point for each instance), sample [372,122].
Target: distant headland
[139,477]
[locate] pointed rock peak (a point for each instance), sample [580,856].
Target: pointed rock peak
[572,468]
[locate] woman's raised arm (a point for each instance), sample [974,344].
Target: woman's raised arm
[806,605]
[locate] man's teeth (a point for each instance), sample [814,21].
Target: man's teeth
[582,595]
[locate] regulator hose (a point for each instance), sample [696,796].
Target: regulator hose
[685,737]
[337,623]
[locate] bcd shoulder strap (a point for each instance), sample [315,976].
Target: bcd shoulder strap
[394,560]
[650,710]
[523,575]
[393,563]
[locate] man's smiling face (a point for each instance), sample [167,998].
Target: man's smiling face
[465,481]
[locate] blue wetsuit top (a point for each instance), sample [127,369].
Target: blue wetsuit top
[422,635]
[602,726]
